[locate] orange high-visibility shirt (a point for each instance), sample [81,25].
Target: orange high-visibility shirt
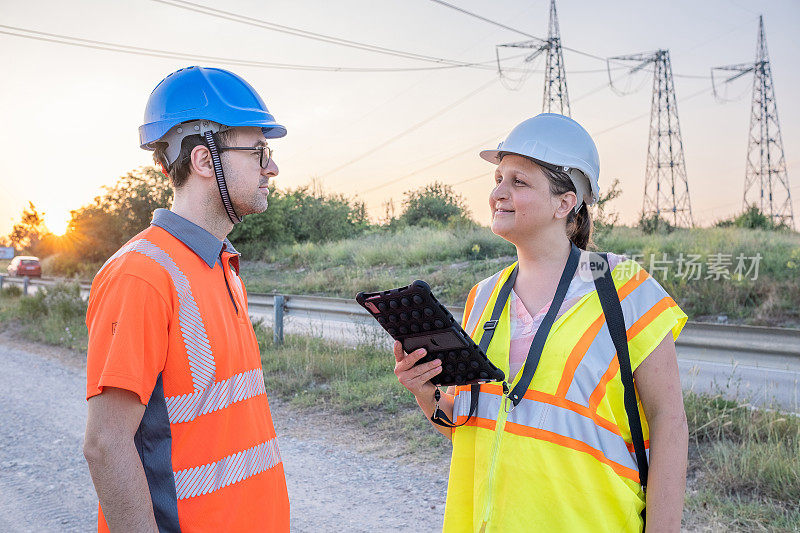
[168,321]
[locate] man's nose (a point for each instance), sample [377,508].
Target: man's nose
[272,169]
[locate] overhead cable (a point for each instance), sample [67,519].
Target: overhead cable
[413,127]
[260,23]
[168,54]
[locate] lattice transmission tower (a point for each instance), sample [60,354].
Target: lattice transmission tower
[556,98]
[766,182]
[666,188]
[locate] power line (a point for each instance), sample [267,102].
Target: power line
[297,32]
[167,54]
[475,15]
[432,165]
[413,127]
[574,50]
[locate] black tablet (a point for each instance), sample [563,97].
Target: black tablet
[413,316]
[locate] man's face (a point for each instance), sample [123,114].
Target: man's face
[247,181]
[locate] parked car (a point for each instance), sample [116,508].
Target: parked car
[25,265]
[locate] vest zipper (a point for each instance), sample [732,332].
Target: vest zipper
[498,437]
[233,300]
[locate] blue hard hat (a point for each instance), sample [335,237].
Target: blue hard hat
[201,93]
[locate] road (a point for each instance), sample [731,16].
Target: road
[759,379]
[45,485]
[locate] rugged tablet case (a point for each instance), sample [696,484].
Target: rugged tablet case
[413,316]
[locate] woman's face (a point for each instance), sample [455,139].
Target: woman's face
[521,203]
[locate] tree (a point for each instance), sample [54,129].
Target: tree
[98,229]
[604,218]
[434,205]
[26,234]
[301,215]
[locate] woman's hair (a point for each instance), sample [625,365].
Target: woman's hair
[579,225]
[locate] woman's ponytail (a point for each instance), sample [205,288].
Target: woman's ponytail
[579,228]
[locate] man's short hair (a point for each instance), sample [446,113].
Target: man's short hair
[179,170]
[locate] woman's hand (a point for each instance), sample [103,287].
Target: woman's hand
[415,378]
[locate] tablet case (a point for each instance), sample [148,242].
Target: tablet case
[413,316]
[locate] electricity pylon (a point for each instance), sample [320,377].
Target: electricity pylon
[556,98]
[666,188]
[766,182]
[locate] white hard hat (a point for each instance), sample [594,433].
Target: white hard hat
[556,141]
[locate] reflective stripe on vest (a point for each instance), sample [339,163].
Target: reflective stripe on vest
[569,417]
[209,395]
[210,477]
[547,417]
[198,349]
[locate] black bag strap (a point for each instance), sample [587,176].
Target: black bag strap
[612,309]
[439,417]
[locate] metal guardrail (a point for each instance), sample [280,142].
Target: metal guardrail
[774,341]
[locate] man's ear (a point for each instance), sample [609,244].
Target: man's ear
[565,203]
[200,160]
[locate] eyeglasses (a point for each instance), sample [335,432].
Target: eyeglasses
[265,155]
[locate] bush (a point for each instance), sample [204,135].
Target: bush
[750,218]
[62,300]
[301,216]
[434,205]
[653,223]
[11,291]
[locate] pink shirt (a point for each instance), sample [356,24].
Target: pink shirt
[524,326]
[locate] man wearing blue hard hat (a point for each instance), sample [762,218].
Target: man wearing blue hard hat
[179,435]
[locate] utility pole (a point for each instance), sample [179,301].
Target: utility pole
[766,182]
[556,98]
[666,188]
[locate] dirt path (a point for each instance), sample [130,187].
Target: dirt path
[339,479]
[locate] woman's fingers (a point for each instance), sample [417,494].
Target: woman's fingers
[416,372]
[398,351]
[427,376]
[417,378]
[411,375]
[407,361]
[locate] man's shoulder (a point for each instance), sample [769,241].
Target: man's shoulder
[146,256]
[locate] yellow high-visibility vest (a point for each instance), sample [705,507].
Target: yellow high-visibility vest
[563,459]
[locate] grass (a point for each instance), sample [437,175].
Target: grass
[748,464]
[744,463]
[311,372]
[55,315]
[453,260]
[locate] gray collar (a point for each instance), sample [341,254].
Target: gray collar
[200,241]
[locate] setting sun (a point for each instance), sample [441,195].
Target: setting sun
[57,223]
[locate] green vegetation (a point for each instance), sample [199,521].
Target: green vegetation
[751,218]
[452,260]
[744,464]
[748,464]
[55,315]
[299,216]
[746,270]
[434,205]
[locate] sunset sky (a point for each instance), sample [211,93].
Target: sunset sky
[70,114]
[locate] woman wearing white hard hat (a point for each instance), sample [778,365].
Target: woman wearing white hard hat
[566,444]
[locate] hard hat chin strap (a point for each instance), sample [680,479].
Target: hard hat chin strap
[221,185]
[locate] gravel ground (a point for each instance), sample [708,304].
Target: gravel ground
[339,479]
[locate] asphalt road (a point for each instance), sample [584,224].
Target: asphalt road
[759,379]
